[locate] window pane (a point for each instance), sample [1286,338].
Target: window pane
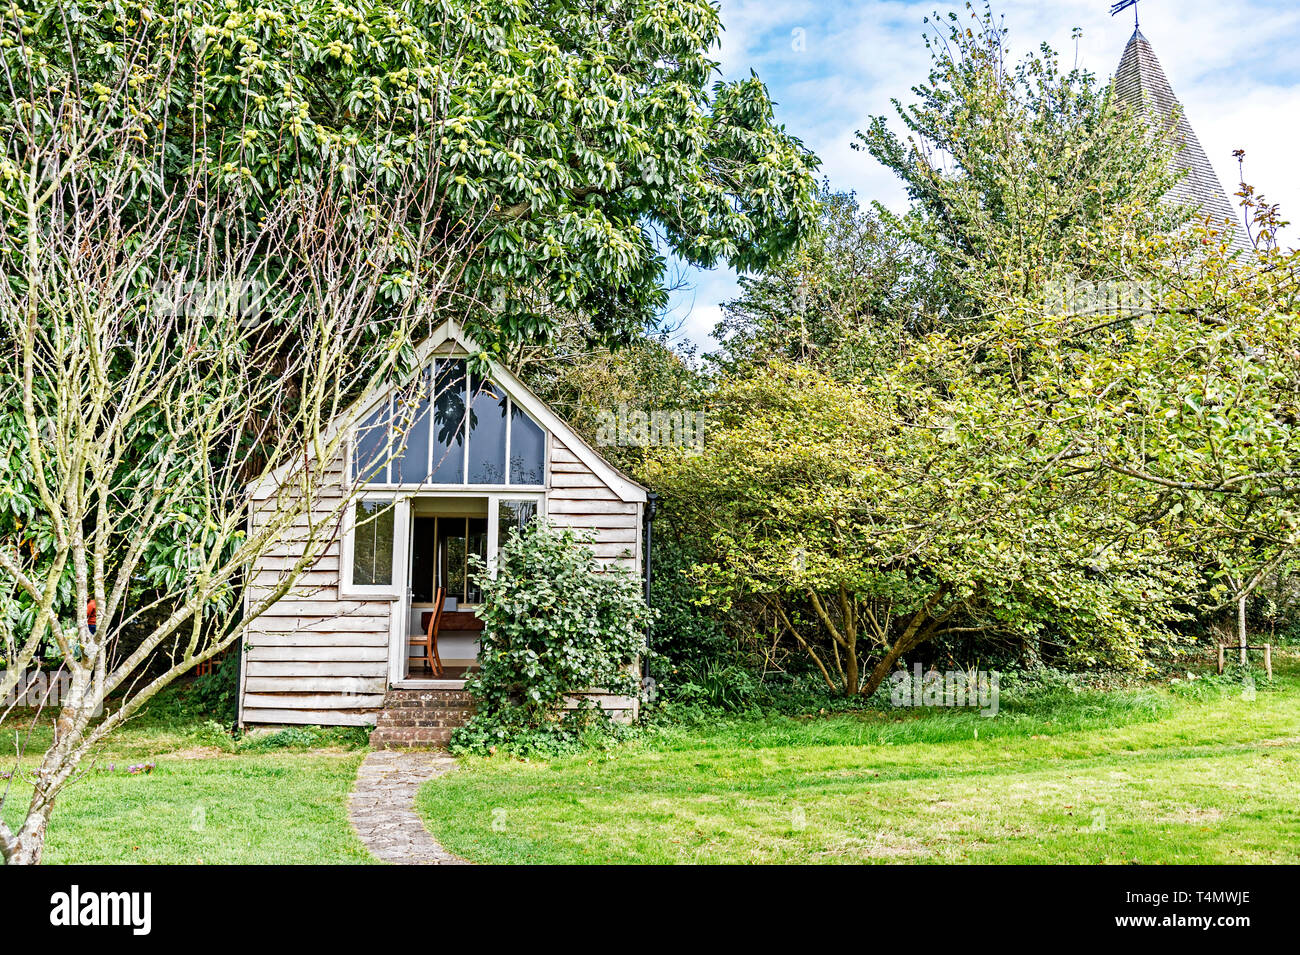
[527,448]
[458,538]
[449,422]
[411,433]
[455,569]
[487,434]
[451,556]
[513,517]
[372,547]
[477,544]
[371,463]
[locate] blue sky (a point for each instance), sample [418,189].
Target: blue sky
[833,64]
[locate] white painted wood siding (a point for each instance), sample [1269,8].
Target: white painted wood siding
[578,498]
[312,657]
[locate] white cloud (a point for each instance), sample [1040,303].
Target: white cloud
[697,309]
[1233,67]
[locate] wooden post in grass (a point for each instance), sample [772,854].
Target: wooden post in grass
[1268,656]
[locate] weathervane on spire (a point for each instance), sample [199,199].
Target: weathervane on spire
[1124,5]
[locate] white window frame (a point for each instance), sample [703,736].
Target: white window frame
[494,513]
[401,533]
[429,485]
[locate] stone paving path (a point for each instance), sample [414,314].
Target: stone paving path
[381,806]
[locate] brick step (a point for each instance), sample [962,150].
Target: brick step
[386,720]
[410,737]
[420,718]
[406,698]
[430,705]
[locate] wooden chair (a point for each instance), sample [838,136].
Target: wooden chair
[429,639]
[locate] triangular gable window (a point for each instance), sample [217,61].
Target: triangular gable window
[417,436]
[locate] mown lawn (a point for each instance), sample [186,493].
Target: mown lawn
[274,799]
[1188,773]
[1185,773]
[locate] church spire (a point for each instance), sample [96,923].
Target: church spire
[1140,81]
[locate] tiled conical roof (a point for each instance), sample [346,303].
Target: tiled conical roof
[1141,82]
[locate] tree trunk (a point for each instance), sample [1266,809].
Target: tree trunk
[60,761]
[911,638]
[1031,652]
[29,843]
[1241,626]
[883,668]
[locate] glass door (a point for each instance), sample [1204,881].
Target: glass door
[459,539]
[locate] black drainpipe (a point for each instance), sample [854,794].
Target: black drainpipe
[651,505]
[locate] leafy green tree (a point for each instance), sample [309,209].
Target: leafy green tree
[134,419]
[1009,167]
[871,517]
[567,141]
[588,383]
[1191,390]
[843,300]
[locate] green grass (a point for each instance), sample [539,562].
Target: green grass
[269,799]
[1182,773]
[1175,773]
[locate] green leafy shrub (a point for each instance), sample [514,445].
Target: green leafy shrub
[552,624]
[584,730]
[1290,637]
[686,633]
[214,734]
[216,693]
[715,683]
[306,737]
